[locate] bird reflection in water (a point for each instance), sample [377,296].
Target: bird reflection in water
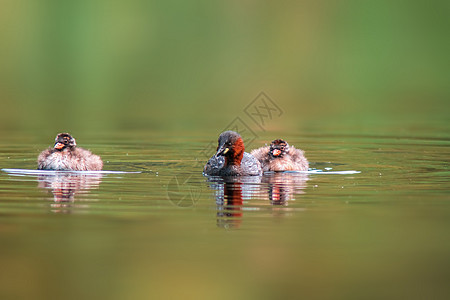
[283,186]
[64,187]
[231,193]
[229,212]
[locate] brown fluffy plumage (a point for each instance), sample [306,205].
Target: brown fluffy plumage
[280,156]
[66,156]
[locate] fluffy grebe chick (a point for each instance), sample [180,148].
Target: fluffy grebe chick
[230,158]
[279,156]
[66,156]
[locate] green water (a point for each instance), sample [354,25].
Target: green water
[170,232]
[149,85]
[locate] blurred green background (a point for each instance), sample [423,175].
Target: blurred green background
[169,65]
[185,70]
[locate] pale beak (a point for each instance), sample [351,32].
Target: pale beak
[276,152]
[59,146]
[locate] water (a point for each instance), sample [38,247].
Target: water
[157,228]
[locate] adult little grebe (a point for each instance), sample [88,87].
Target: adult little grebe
[230,158]
[279,156]
[66,156]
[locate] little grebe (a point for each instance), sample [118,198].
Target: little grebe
[279,156]
[66,156]
[230,158]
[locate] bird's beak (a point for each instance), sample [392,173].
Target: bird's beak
[276,152]
[222,150]
[59,146]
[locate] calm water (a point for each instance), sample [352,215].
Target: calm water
[167,231]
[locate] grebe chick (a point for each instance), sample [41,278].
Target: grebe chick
[66,156]
[280,156]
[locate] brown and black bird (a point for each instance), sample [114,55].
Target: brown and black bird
[66,156]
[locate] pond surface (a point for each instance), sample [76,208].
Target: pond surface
[166,231]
